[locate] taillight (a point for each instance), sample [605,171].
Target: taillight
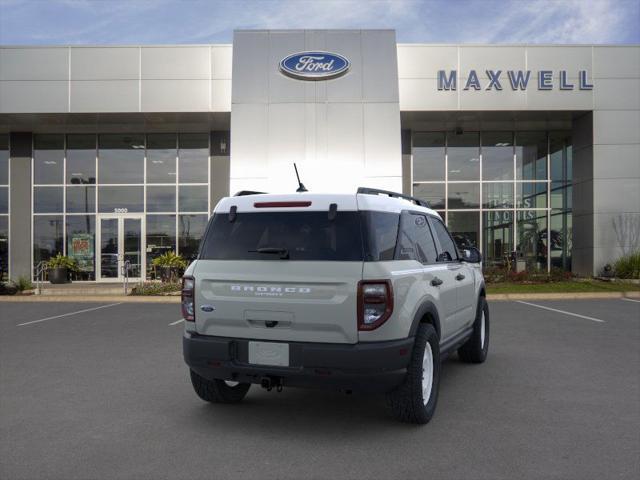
[375,303]
[188,294]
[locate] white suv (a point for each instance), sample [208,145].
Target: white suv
[363,292]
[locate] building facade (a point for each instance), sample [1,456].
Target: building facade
[114,154]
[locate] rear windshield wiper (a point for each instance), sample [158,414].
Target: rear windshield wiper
[283,252]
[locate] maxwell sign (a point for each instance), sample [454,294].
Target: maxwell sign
[314,65]
[516,79]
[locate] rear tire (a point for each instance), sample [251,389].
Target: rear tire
[476,348]
[415,400]
[218,391]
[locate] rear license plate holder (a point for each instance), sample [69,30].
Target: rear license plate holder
[269,353]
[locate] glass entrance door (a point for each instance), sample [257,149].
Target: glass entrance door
[120,247]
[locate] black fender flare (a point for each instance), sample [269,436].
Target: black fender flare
[482,290]
[427,307]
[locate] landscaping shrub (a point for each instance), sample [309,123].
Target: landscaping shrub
[154,288]
[500,275]
[23,283]
[170,267]
[628,266]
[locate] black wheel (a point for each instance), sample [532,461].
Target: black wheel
[476,348]
[415,400]
[218,391]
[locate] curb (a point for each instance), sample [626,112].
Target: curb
[90,298]
[561,296]
[174,299]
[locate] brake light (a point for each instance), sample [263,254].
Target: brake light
[281,204]
[188,299]
[375,303]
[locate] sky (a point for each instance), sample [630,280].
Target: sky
[121,22]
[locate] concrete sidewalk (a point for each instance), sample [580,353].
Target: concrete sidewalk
[176,298]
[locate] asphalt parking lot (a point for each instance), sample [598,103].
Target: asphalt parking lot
[105,394]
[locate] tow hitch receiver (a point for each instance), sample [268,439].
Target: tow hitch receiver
[268,383]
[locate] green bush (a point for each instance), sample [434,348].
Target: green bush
[169,259]
[168,267]
[628,266]
[154,288]
[62,261]
[23,283]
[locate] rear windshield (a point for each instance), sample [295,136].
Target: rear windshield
[351,236]
[304,236]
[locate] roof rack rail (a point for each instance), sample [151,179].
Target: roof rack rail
[243,193]
[376,191]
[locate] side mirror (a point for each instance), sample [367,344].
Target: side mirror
[471,255]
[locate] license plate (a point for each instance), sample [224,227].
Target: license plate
[269,353]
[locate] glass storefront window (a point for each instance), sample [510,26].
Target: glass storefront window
[191,230]
[514,204]
[4,200]
[48,159]
[497,195]
[120,199]
[531,155]
[561,195]
[497,155]
[4,247]
[531,195]
[81,199]
[428,157]
[531,249]
[434,193]
[561,239]
[120,159]
[161,158]
[464,195]
[193,157]
[463,156]
[560,156]
[47,237]
[81,159]
[81,242]
[497,237]
[464,228]
[47,199]
[161,238]
[4,159]
[161,199]
[77,176]
[193,198]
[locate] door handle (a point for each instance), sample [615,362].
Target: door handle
[436,282]
[460,277]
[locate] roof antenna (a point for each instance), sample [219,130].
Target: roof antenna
[301,187]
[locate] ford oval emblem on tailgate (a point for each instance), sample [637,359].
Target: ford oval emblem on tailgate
[207,308]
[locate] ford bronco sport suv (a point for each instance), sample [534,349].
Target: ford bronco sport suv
[358,292]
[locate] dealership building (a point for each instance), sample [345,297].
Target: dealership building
[111,154]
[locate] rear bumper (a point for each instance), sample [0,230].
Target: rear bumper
[368,367]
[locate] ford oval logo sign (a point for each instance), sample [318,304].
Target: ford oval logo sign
[314,65]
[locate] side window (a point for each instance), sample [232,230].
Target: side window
[414,239]
[379,232]
[447,247]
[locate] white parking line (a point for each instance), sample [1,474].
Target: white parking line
[630,300]
[68,314]
[176,322]
[562,311]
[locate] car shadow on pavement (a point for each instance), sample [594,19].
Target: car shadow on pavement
[326,413]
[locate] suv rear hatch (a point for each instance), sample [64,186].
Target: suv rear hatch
[284,271]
